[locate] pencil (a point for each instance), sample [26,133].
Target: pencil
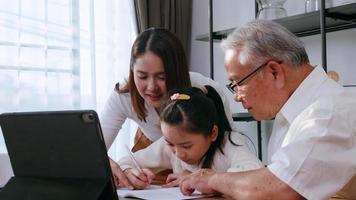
[133,159]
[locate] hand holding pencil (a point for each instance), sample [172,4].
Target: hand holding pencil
[138,176]
[119,177]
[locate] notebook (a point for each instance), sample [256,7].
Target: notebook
[56,155]
[155,192]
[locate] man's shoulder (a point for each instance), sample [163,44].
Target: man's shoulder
[342,99]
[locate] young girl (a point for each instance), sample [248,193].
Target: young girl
[196,134]
[158,64]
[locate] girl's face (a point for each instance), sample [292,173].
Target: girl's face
[150,79]
[187,146]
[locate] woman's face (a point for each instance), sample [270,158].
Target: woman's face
[150,78]
[187,146]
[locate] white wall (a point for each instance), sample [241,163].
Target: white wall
[341,48]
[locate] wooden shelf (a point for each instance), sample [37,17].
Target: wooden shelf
[306,24]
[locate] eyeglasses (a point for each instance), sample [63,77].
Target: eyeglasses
[232,86]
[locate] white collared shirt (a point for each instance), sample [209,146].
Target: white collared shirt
[313,143]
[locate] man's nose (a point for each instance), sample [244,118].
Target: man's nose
[237,97]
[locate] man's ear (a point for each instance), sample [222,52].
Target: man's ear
[214,133]
[278,73]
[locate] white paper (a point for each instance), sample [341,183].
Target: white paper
[156,192]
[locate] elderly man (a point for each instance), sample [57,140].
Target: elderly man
[311,152]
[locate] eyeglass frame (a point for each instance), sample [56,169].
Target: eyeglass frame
[231,86]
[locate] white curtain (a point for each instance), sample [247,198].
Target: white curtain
[115,31]
[63,54]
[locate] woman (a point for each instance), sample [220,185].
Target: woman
[158,64]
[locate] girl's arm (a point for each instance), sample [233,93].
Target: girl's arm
[154,157]
[139,179]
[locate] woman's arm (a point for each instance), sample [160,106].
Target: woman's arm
[120,178]
[113,116]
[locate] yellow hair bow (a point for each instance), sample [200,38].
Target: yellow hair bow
[177,96]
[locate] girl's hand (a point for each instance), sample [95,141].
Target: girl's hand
[139,179]
[174,179]
[120,178]
[198,181]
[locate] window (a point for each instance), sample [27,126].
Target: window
[39,48]
[62,54]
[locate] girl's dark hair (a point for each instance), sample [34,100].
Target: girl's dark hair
[169,49]
[198,115]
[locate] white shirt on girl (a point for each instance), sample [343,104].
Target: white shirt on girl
[158,156]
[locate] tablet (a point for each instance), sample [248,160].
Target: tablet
[60,147]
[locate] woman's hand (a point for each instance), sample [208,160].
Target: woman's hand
[139,179]
[174,179]
[120,178]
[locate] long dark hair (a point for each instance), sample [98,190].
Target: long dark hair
[169,49]
[198,115]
